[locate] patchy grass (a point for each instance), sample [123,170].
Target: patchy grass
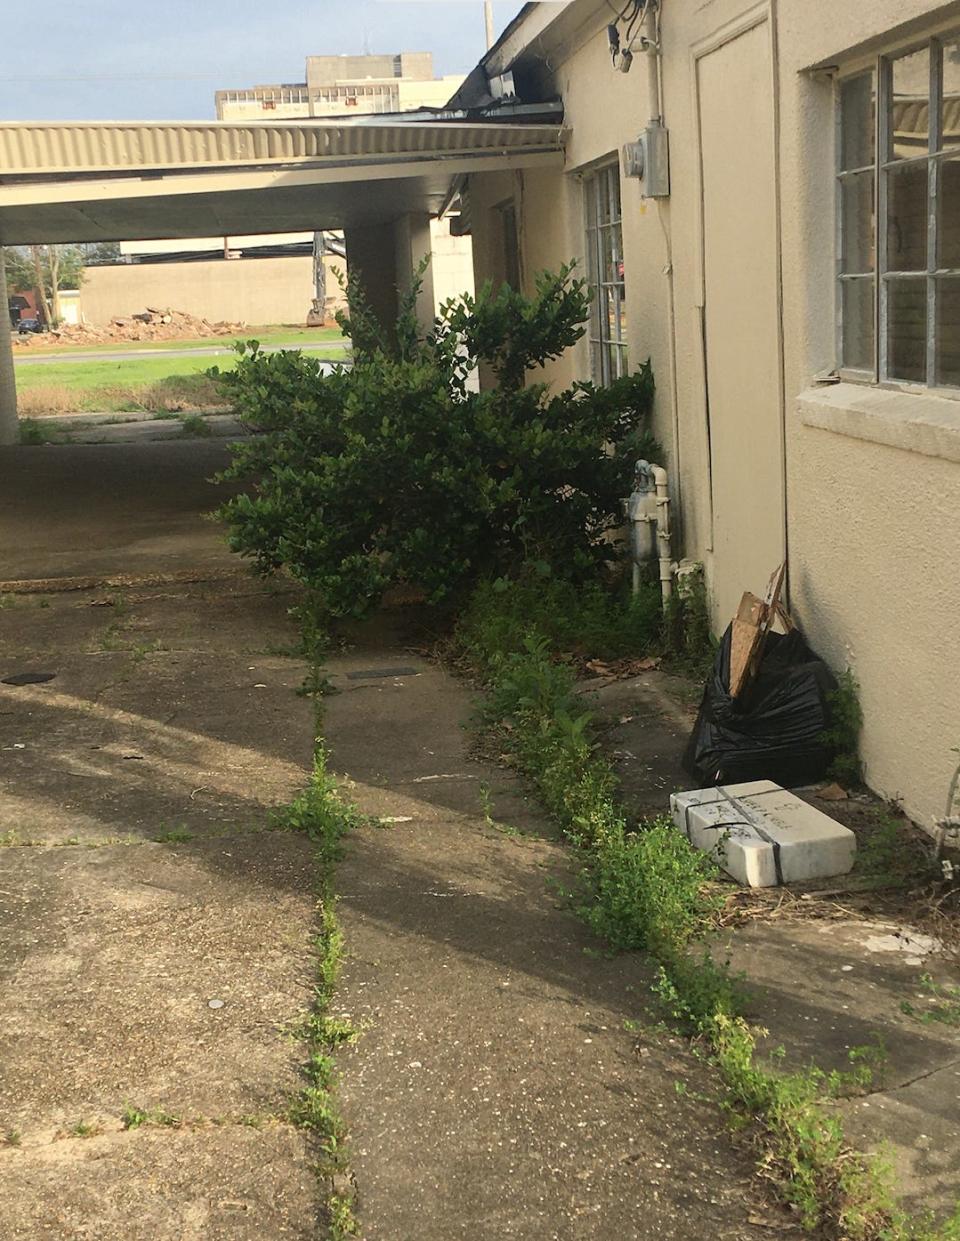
[151,384]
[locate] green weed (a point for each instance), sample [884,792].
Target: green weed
[136,1117]
[325,816]
[82,1130]
[193,426]
[648,888]
[173,836]
[13,1137]
[946,1007]
[32,431]
[843,735]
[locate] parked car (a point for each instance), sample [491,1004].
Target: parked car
[29,325]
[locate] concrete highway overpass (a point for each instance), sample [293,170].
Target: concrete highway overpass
[381,183]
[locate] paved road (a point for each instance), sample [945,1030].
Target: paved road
[211,351]
[87,509]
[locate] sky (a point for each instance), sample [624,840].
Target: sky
[66,60]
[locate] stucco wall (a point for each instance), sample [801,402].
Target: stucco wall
[873,530]
[256,291]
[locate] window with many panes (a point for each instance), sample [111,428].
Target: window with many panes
[608,314]
[899,217]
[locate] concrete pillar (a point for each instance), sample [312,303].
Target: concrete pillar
[371,256]
[9,425]
[413,241]
[386,258]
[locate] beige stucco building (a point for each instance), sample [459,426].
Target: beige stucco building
[808,398]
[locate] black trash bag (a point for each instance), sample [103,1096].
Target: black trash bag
[774,730]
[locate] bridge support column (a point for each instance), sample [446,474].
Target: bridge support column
[387,258]
[413,244]
[9,424]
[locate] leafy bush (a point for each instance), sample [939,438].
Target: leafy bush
[393,470]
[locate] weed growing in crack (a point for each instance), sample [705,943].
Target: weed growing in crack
[82,1130]
[325,816]
[648,888]
[173,836]
[136,1117]
[945,1010]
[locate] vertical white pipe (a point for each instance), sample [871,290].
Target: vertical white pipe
[9,425]
[663,532]
[488,16]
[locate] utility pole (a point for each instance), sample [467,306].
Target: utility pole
[488,14]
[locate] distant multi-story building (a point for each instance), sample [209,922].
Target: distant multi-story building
[345,86]
[291,278]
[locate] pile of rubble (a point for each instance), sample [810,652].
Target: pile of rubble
[150,324]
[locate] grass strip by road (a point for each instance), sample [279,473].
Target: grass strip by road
[159,384]
[270,337]
[645,887]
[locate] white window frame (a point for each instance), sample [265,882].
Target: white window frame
[603,215]
[882,166]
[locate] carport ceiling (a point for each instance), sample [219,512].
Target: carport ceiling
[111,182]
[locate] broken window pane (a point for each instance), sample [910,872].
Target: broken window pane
[907,330]
[858,321]
[907,218]
[910,105]
[857,122]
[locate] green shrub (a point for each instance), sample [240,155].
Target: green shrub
[395,471]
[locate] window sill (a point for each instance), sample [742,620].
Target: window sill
[915,422]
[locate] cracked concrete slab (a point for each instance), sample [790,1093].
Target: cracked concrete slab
[499,1088]
[822,988]
[171,716]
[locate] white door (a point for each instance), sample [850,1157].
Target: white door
[741,314]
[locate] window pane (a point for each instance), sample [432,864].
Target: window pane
[948,331]
[948,225]
[950,113]
[907,330]
[910,105]
[857,223]
[858,321]
[602,191]
[907,218]
[857,104]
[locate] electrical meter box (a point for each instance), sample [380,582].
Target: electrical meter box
[649,161]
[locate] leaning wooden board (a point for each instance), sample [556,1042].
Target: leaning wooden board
[750,628]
